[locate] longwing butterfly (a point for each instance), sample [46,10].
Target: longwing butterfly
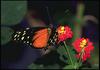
[36,37]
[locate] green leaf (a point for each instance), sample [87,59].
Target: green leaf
[75,66]
[69,67]
[62,51]
[12,12]
[6,34]
[72,54]
[62,59]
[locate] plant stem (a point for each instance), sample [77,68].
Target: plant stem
[81,55]
[68,52]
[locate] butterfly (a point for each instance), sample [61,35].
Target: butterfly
[37,37]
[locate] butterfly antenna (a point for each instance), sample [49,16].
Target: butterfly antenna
[50,20]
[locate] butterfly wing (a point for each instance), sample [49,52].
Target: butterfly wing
[40,39]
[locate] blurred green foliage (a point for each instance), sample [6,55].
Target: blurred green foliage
[34,66]
[94,60]
[12,12]
[6,34]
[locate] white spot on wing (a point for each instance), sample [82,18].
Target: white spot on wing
[51,40]
[27,28]
[55,39]
[15,35]
[24,33]
[30,43]
[27,36]
[18,36]
[19,32]
[22,38]
[27,41]
[15,39]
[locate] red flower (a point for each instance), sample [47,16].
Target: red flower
[85,45]
[64,32]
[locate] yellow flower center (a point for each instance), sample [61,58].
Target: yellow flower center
[61,31]
[83,43]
